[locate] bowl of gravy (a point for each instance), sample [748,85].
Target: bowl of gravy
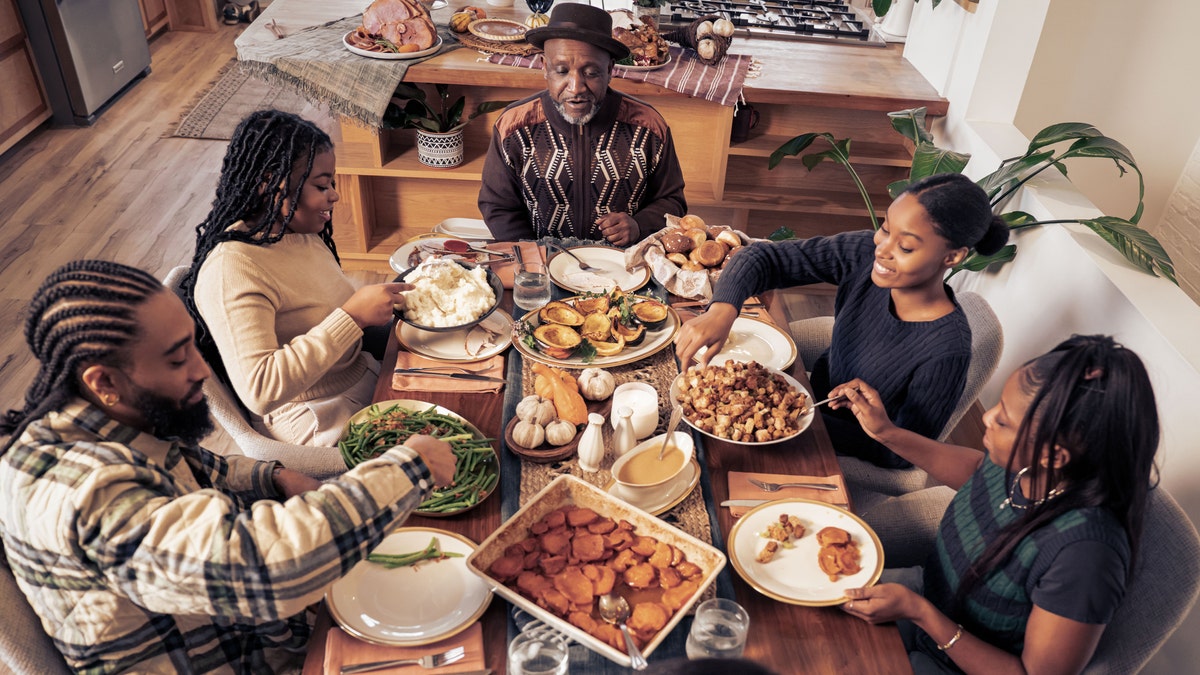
[640,472]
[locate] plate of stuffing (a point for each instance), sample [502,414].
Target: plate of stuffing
[722,401]
[413,589]
[566,272]
[805,552]
[450,295]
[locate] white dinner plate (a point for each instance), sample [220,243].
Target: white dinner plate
[391,56]
[467,228]
[654,342]
[640,68]
[564,271]
[669,498]
[457,345]
[409,606]
[805,419]
[756,340]
[425,245]
[794,576]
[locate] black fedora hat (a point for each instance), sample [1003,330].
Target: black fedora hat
[577,21]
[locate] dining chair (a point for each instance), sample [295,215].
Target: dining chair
[316,461]
[812,337]
[25,648]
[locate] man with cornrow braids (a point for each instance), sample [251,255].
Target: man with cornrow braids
[277,319]
[141,551]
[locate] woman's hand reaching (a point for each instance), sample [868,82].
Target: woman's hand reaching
[883,603]
[372,305]
[710,329]
[863,400]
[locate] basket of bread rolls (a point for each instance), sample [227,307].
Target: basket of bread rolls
[687,255]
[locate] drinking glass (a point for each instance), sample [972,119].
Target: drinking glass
[531,286]
[719,630]
[537,653]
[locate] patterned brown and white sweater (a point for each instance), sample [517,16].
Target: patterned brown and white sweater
[544,176]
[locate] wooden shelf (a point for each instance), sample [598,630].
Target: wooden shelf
[765,198]
[861,152]
[402,160]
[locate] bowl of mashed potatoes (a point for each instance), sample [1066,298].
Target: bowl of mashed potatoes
[448,295]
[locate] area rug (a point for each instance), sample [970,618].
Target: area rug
[218,108]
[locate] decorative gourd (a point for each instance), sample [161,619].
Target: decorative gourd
[535,409]
[528,434]
[541,385]
[463,18]
[560,432]
[537,20]
[596,384]
[723,27]
[706,48]
[569,404]
[704,28]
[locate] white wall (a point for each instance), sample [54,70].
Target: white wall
[1065,279]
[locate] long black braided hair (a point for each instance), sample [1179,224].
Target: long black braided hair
[82,314]
[266,165]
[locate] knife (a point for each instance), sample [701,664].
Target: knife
[753,502]
[458,376]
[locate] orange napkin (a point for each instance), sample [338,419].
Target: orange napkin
[343,649]
[529,249]
[493,367]
[740,488]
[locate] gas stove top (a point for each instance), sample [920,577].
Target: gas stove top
[819,20]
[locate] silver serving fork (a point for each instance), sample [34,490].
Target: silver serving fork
[427,661]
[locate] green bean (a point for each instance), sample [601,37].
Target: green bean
[433,551]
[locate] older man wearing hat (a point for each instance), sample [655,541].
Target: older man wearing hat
[579,159]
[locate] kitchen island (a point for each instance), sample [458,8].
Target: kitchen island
[388,196]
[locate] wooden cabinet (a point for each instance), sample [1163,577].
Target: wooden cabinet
[23,104]
[193,15]
[154,16]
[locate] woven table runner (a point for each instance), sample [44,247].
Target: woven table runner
[318,65]
[685,74]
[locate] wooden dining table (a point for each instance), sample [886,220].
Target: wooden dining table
[784,637]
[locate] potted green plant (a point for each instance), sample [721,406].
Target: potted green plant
[439,123]
[1048,149]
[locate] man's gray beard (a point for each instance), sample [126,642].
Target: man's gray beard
[577,121]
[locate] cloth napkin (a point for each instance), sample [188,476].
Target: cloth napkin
[529,249]
[740,488]
[343,649]
[493,367]
[686,74]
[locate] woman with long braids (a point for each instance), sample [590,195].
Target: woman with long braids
[896,323]
[1035,550]
[277,318]
[142,552]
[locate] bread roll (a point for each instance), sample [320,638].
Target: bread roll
[698,235]
[691,221]
[729,238]
[690,266]
[677,241]
[678,258]
[709,254]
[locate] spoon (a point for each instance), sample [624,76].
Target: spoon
[615,610]
[676,413]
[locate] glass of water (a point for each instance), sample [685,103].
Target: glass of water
[537,653]
[531,286]
[719,630]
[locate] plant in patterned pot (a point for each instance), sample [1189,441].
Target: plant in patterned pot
[438,121]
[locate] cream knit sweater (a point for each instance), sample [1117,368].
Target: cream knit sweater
[275,315]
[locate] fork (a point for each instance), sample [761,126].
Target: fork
[458,368]
[427,661]
[582,265]
[776,487]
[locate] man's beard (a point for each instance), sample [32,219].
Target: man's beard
[580,120]
[169,418]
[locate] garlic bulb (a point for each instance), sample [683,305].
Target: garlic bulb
[535,409]
[706,49]
[704,28]
[528,434]
[596,384]
[560,432]
[723,27]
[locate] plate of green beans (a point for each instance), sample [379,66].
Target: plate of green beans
[379,427]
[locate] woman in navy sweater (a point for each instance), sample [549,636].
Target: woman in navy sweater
[896,323]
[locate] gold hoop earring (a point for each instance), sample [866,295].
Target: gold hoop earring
[110,401]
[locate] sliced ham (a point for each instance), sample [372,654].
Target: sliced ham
[401,22]
[383,12]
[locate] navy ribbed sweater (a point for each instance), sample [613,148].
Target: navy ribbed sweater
[919,368]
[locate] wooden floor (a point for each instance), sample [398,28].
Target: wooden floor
[124,190]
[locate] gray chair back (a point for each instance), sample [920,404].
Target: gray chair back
[25,648]
[315,461]
[1164,588]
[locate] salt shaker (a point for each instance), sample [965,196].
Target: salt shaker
[591,444]
[623,437]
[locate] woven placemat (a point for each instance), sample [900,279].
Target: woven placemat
[519,48]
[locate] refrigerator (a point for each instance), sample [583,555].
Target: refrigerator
[87,51]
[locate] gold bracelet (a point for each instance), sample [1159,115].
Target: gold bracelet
[948,645]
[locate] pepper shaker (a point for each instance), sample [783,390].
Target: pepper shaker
[591,444]
[623,437]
